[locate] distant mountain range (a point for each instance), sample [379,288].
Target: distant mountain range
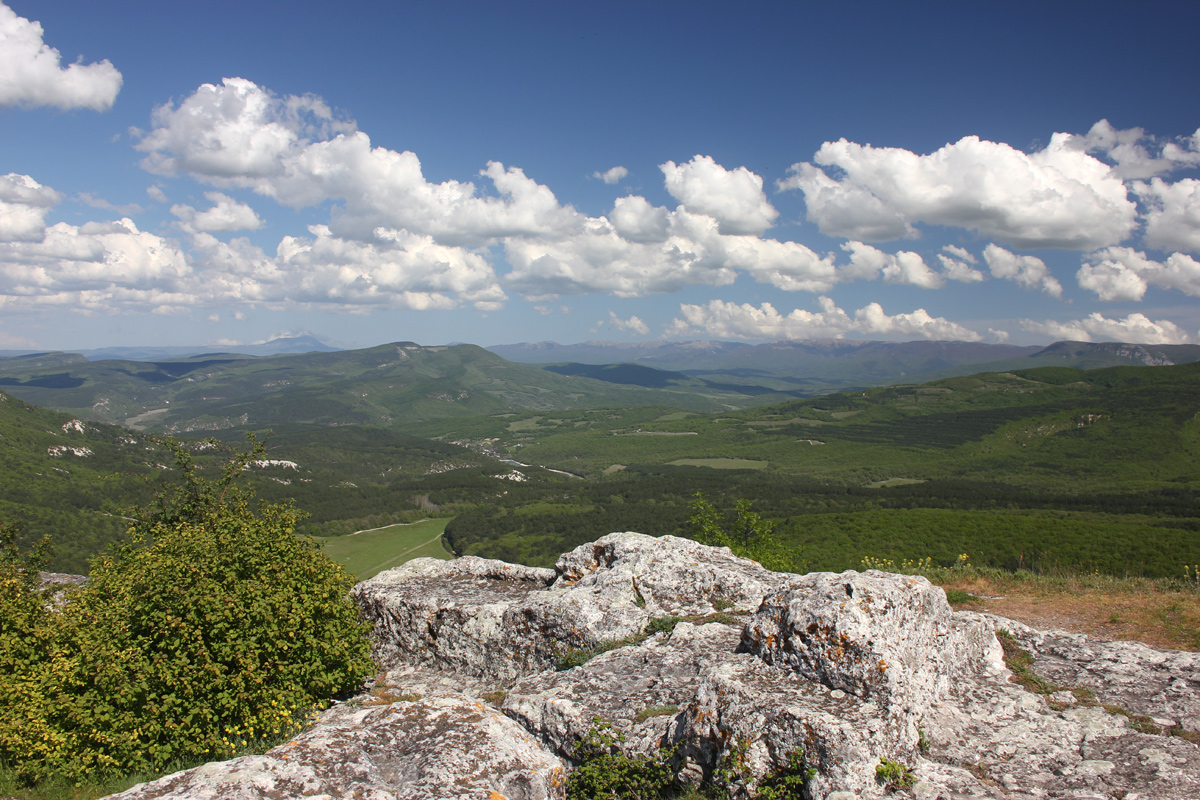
[820,366]
[291,344]
[386,386]
[403,383]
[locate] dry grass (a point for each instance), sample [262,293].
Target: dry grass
[1160,613]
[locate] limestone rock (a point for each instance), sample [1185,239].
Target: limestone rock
[885,638]
[445,746]
[633,688]
[465,615]
[501,621]
[1161,684]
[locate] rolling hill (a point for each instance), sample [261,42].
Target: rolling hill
[1050,468]
[1119,427]
[381,386]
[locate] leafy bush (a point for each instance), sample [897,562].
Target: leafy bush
[789,781]
[893,774]
[749,535]
[213,626]
[605,771]
[24,651]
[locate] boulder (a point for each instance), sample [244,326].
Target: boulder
[502,621]
[889,639]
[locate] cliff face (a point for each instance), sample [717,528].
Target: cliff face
[836,674]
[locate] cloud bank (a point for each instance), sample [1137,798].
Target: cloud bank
[31,72]
[388,237]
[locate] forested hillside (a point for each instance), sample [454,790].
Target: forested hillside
[381,386]
[1048,467]
[75,481]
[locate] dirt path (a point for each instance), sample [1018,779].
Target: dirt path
[380,566]
[384,527]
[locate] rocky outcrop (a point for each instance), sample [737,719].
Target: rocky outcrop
[502,621]
[731,674]
[444,746]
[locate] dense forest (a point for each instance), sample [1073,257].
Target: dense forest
[1047,468]
[831,526]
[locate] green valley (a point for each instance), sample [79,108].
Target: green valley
[1046,467]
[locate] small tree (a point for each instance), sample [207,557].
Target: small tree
[213,626]
[749,536]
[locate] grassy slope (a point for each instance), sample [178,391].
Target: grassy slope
[367,553]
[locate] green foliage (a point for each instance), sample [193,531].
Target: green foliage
[213,626]
[1020,663]
[789,781]
[577,657]
[786,782]
[24,650]
[894,775]
[604,771]
[668,710]
[749,535]
[662,624]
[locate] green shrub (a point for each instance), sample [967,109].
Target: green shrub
[606,772]
[789,781]
[893,774]
[748,536]
[25,647]
[213,626]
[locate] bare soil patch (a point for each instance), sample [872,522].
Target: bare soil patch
[1160,618]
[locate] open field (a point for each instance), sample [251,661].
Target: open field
[720,463]
[368,553]
[1157,612]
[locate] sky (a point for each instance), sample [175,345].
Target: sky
[225,173]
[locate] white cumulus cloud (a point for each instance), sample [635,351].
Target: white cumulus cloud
[632,325]
[31,72]
[24,204]
[1173,213]
[117,268]
[904,267]
[734,198]
[1122,273]
[1029,272]
[296,151]
[1135,153]
[957,265]
[94,267]
[673,249]
[720,319]
[610,176]
[1057,197]
[1135,328]
[225,215]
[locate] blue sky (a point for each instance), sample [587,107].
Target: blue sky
[494,173]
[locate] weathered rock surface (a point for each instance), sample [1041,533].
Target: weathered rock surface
[502,621]
[886,638]
[445,746]
[1161,684]
[841,669]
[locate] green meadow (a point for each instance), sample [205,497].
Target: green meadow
[367,553]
